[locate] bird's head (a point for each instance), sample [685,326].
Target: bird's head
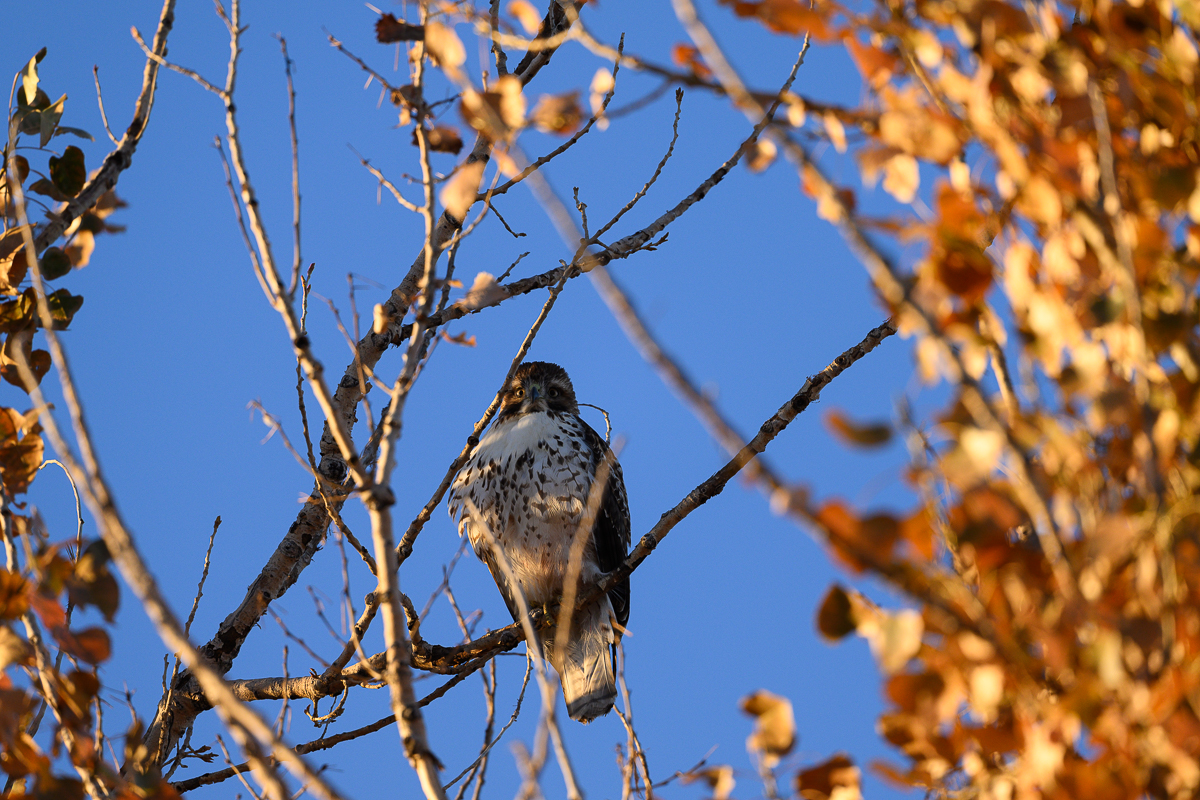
[538,386]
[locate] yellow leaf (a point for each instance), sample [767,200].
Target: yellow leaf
[774,733]
[484,292]
[901,177]
[762,156]
[444,46]
[527,15]
[894,638]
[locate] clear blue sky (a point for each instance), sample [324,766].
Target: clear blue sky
[752,293]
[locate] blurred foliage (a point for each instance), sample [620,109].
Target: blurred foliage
[1046,166]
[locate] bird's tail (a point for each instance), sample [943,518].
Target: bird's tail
[585,666]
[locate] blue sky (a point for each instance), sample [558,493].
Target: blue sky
[752,294]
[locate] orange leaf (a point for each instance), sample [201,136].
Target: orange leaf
[785,16]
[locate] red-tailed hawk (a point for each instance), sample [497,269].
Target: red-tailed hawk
[529,481]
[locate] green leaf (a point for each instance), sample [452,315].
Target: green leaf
[68,172]
[50,118]
[45,187]
[55,263]
[80,132]
[63,306]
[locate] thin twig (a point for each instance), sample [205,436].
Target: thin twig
[100,101]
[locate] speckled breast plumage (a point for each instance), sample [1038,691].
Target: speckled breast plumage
[528,480]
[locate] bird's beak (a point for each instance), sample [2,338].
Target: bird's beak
[535,391]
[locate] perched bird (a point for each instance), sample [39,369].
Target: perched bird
[529,482]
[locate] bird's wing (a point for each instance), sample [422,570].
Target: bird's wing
[612,530]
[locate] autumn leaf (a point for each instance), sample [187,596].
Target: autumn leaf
[720,780]
[459,338]
[835,779]
[498,112]
[483,292]
[774,733]
[63,306]
[442,139]
[54,263]
[14,649]
[784,16]
[762,156]
[21,451]
[559,114]
[687,56]
[444,47]
[68,172]
[388,29]
[92,584]
[459,192]
[875,64]
[90,644]
[18,346]
[855,433]
[526,14]
[836,618]
[14,600]
[79,252]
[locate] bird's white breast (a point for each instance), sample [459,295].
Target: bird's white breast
[529,480]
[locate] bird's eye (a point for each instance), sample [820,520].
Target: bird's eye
[518,392]
[553,392]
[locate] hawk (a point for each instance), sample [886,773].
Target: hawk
[530,480]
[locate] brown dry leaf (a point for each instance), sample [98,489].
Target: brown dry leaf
[497,112]
[483,292]
[719,779]
[459,338]
[388,29]
[81,247]
[13,649]
[558,113]
[21,451]
[835,779]
[20,343]
[762,156]
[527,15]
[90,644]
[14,597]
[444,47]
[857,433]
[836,617]
[785,16]
[442,139]
[92,584]
[774,733]
[459,192]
